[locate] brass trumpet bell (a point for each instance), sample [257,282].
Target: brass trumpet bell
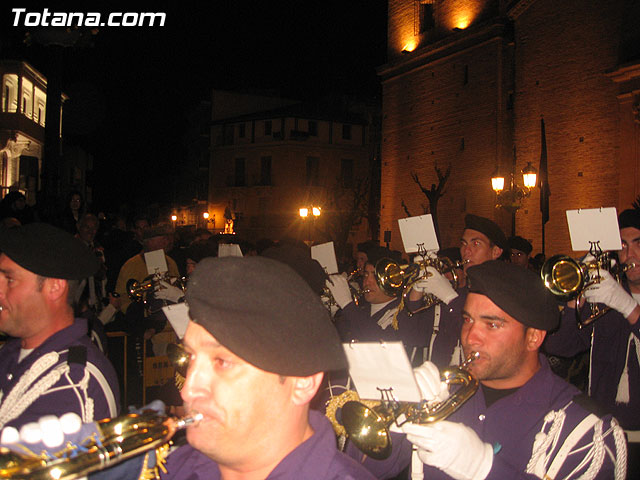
[393,277]
[179,358]
[368,428]
[567,279]
[564,276]
[137,290]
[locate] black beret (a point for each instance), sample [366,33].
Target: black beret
[300,260]
[366,246]
[521,244]
[48,251]
[263,312]
[519,292]
[629,218]
[376,253]
[488,227]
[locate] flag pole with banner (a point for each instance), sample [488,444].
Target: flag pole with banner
[544,181]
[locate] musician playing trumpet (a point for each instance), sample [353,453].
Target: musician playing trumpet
[482,240]
[613,339]
[524,421]
[377,316]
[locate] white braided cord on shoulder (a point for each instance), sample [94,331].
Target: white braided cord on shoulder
[40,366]
[593,459]
[545,442]
[15,409]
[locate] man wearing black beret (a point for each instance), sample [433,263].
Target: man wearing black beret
[613,340]
[255,365]
[49,366]
[376,317]
[520,251]
[524,421]
[482,240]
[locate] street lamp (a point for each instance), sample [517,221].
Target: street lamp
[305,212]
[511,199]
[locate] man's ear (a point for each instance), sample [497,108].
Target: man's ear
[496,252]
[55,288]
[305,388]
[534,338]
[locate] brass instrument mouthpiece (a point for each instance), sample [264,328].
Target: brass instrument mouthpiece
[184,422]
[472,356]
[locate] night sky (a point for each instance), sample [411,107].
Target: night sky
[132,91]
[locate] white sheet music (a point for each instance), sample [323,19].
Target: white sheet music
[325,254]
[375,366]
[417,231]
[178,316]
[594,225]
[156,262]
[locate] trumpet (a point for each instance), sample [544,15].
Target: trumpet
[356,295]
[368,427]
[567,279]
[395,279]
[136,291]
[118,439]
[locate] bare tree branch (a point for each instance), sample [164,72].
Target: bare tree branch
[433,194]
[406,209]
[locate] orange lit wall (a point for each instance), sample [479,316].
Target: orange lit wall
[558,64]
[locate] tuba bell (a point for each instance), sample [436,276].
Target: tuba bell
[119,439]
[567,279]
[368,427]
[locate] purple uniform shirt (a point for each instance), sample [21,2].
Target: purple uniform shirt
[510,425]
[316,458]
[608,359]
[94,398]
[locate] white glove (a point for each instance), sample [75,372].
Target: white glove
[430,384]
[611,293]
[340,290]
[436,284]
[169,292]
[452,447]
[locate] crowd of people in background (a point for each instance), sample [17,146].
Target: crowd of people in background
[361,310]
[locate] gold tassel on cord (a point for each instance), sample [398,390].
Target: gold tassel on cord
[153,473]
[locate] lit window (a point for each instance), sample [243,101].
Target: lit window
[10,93]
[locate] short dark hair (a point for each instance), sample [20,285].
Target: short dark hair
[73,286]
